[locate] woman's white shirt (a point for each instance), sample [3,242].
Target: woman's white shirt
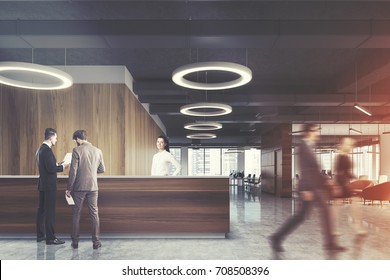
[160,164]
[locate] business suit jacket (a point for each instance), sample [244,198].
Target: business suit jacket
[87,161]
[48,169]
[311,178]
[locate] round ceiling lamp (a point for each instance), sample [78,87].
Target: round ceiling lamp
[203,126]
[202,136]
[206,109]
[60,79]
[245,75]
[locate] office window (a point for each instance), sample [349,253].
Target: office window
[220,161]
[229,162]
[204,162]
[366,161]
[176,152]
[253,162]
[210,162]
[325,158]
[213,162]
[196,162]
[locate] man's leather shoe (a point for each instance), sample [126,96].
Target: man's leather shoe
[40,239]
[74,245]
[97,245]
[335,248]
[55,242]
[275,244]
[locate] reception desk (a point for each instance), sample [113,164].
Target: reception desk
[128,206]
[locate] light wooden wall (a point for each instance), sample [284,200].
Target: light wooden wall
[115,120]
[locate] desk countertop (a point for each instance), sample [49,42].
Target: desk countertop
[121,177]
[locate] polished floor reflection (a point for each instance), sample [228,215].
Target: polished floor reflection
[252,221]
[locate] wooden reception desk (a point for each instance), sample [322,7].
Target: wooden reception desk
[128,206]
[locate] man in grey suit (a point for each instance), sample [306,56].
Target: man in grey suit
[87,161]
[312,189]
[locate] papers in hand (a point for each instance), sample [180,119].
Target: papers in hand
[69,199]
[67,158]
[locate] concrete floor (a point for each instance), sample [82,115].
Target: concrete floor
[252,221]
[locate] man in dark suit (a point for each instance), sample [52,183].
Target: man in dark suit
[87,161]
[312,189]
[47,186]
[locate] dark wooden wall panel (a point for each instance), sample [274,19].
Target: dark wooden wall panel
[127,205]
[115,120]
[1,130]
[11,133]
[30,138]
[276,161]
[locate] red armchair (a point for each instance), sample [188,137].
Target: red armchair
[379,192]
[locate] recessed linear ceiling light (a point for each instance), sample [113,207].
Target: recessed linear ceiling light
[206,109]
[244,72]
[362,109]
[355,130]
[201,136]
[203,126]
[64,79]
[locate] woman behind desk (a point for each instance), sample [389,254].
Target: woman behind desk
[162,159]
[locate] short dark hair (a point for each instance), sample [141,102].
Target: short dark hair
[308,127]
[81,134]
[49,132]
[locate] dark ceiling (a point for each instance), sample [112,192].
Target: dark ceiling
[311,60]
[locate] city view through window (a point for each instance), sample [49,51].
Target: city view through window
[219,161]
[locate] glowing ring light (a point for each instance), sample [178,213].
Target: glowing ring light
[201,136]
[64,79]
[195,109]
[203,126]
[244,72]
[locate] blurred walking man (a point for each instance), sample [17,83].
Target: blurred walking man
[311,189]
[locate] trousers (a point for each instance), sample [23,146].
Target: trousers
[46,214]
[303,212]
[90,198]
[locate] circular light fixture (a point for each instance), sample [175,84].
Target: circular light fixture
[203,126]
[206,109]
[202,136]
[244,72]
[64,80]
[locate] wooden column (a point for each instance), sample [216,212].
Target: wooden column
[276,160]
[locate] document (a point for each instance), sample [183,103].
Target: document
[69,199]
[67,158]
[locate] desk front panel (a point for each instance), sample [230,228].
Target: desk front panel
[152,205]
